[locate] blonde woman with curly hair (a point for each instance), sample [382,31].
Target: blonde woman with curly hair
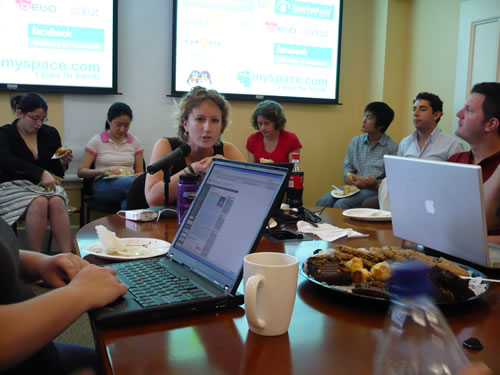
[202,117]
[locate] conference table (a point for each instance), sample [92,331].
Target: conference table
[330,332]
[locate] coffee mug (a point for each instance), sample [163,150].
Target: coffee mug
[270,284]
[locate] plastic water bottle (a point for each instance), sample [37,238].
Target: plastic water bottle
[186,190]
[296,183]
[417,339]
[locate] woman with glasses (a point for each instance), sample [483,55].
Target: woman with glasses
[117,157]
[202,117]
[29,172]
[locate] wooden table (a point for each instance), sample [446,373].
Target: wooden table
[329,332]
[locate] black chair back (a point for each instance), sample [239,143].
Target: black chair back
[135,196]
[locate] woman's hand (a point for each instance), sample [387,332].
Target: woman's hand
[67,158]
[48,180]
[202,166]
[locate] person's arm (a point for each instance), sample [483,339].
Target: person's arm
[84,171]
[492,199]
[232,153]
[347,167]
[139,165]
[10,161]
[27,326]
[251,157]
[154,188]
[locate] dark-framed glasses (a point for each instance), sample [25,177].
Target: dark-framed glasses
[37,118]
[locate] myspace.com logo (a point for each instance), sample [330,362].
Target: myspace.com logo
[29,5]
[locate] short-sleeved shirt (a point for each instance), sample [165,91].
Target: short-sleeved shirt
[439,146]
[287,142]
[365,159]
[488,165]
[110,154]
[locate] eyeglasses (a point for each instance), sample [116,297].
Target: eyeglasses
[37,118]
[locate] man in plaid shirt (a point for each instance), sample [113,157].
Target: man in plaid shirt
[364,163]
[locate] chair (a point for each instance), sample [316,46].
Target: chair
[89,202]
[135,197]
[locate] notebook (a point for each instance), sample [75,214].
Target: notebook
[205,261]
[440,205]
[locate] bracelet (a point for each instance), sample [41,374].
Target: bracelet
[190,167]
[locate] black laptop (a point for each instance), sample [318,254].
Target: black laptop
[204,265]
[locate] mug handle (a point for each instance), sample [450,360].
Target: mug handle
[251,301]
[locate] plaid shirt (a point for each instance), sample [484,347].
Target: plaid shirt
[364,159]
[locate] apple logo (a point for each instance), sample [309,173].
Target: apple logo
[429,206]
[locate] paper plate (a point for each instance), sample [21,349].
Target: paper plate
[134,248]
[339,194]
[368,214]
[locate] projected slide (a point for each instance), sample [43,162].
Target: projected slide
[56,43]
[285,48]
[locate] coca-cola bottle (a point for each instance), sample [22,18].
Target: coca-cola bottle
[296,183]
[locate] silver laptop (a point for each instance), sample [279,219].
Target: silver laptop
[204,265]
[440,205]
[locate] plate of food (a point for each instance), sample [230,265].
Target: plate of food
[368,214]
[110,246]
[124,172]
[133,248]
[364,273]
[61,151]
[347,191]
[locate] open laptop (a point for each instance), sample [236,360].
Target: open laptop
[440,205]
[223,224]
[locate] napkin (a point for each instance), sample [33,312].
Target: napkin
[328,232]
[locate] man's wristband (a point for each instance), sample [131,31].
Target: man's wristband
[190,167]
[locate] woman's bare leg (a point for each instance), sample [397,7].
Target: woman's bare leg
[59,223]
[36,222]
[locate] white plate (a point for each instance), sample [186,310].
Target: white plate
[138,248]
[340,194]
[60,156]
[368,214]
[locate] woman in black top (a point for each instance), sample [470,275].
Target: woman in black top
[202,117]
[28,185]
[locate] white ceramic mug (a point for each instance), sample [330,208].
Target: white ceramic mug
[270,282]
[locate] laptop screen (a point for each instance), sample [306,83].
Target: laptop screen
[225,220]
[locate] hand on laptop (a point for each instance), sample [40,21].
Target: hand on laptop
[97,286]
[58,270]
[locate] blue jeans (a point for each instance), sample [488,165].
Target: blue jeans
[75,357]
[112,191]
[354,201]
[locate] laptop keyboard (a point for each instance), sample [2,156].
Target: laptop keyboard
[153,285]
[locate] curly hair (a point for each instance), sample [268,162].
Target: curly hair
[193,99]
[270,110]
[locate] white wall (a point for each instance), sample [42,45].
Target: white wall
[144,64]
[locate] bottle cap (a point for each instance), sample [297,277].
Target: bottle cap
[189,178]
[410,278]
[296,155]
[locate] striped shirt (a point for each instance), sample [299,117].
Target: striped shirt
[110,154]
[439,146]
[364,159]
